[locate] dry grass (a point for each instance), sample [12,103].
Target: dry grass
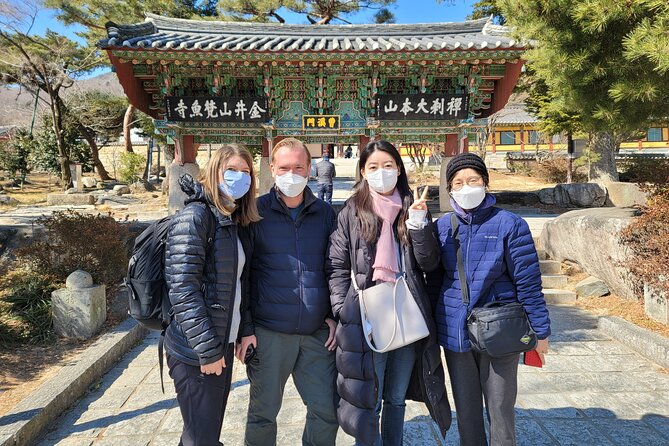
[626,309]
[499,181]
[35,192]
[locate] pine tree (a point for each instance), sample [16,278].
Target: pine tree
[601,66]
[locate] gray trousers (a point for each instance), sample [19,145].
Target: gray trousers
[314,374]
[476,377]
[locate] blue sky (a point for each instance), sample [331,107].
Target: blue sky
[406,11]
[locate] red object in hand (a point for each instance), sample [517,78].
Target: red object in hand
[532,358]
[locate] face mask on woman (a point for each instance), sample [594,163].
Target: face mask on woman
[290,184]
[469,197]
[382,180]
[236,185]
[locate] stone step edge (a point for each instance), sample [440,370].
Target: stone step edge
[30,418]
[648,344]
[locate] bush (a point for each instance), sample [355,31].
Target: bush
[648,238]
[554,170]
[27,311]
[14,154]
[97,244]
[644,170]
[132,165]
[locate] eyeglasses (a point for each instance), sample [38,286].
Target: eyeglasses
[471,181]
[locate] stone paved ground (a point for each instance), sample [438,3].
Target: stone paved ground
[593,391]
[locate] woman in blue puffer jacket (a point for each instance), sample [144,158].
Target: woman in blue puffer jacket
[501,264]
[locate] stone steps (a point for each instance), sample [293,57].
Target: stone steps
[553,280]
[550,267]
[559,297]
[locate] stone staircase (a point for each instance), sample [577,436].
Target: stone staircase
[553,280]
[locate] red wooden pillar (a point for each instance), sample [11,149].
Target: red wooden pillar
[266,147]
[185,150]
[451,145]
[522,139]
[464,144]
[364,140]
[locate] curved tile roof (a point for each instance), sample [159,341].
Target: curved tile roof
[164,33]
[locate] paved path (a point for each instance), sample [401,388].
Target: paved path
[593,391]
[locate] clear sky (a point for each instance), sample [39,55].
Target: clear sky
[406,11]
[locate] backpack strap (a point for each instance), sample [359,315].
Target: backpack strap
[455,229]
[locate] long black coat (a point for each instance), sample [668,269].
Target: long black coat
[201,274]
[356,382]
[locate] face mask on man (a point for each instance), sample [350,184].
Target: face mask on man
[469,197]
[382,180]
[236,184]
[290,184]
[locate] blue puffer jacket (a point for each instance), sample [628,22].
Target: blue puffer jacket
[501,264]
[289,290]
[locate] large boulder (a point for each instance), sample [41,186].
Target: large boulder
[517,198]
[121,189]
[592,287]
[65,199]
[6,199]
[579,195]
[625,194]
[591,238]
[89,182]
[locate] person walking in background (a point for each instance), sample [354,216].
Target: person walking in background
[500,264]
[381,234]
[207,279]
[325,173]
[291,324]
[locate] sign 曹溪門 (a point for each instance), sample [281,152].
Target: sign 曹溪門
[320,122]
[216,109]
[422,106]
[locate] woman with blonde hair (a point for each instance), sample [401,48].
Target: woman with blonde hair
[206,274]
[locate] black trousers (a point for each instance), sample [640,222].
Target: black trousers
[202,400]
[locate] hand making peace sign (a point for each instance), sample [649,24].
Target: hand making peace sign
[419,203]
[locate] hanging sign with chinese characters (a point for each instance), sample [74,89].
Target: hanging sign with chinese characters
[422,106]
[319,122]
[217,109]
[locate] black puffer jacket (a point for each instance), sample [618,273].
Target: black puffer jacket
[201,275]
[356,382]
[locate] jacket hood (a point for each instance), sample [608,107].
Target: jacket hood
[193,189]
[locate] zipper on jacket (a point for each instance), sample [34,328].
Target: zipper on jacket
[299,275]
[466,261]
[235,267]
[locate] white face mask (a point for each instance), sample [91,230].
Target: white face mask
[290,184]
[382,180]
[469,197]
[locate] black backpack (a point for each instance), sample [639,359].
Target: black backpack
[148,300]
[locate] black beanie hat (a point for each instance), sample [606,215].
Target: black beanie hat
[466,161]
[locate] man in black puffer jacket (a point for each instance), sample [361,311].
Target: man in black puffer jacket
[290,303]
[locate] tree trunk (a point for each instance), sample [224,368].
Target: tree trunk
[95,156]
[603,166]
[127,122]
[63,157]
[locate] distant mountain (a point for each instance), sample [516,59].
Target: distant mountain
[16,104]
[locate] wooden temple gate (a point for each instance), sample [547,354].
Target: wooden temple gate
[250,83]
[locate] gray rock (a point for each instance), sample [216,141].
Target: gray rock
[89,182]
[547,196]
[121,189]
[517,198]
[625,194]
[5,199]
[62,199]
[176,196]
[78,280]
[592,287]
[591,238]
[100,185]
[580,195]
[72,190]
[142,186]
[80,309]
[656,304]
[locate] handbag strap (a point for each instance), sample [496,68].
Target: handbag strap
[455,228]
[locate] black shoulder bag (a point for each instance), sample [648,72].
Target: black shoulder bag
[497,328]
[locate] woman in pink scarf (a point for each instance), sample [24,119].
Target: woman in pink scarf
[378,235]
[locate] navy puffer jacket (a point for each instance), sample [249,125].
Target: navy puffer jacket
[289,291]
[201,275]
[501,264]
[356,381]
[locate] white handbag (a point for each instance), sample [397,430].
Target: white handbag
[390,315]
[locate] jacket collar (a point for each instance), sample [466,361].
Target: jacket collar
[196,193]
[277,204]
[478,214]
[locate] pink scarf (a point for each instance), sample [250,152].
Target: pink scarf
[386,264]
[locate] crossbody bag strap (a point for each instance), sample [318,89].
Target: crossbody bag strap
[455,228]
